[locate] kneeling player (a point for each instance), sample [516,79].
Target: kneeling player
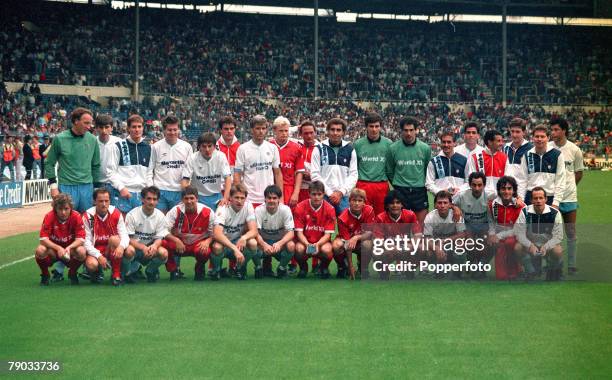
[351,238]
[314,224]
[503,213]
[146,227]
[396,221]
[440,228]
[275,224]
[61,239]
[106,237]
[539,231]
[235,234]
[190,225]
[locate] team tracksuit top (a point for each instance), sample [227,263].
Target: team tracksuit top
[546,170]
[502,218]
[128,165]
[99,229]
[371,158]
[407,163]
[514,157]
[444,173]
[337,171]
[493,166]
[544,230]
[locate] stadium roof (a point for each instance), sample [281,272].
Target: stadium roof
[552,8]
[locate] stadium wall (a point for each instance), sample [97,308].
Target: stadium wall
[56,89]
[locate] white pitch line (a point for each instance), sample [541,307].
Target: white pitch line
[16,262]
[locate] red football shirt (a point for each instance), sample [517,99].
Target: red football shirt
[229,151]
[406,217]
[349,225]
[291,161]
[314,223]
[307,155]
[62,234]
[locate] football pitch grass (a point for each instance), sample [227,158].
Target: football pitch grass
[320,329]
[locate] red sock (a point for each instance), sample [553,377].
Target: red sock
[294,261]
[210,265]
[303,264]
[232,264]
[170,264]
[44,265]
[324,262]
[315,261]
[73,266]
[340,260]
[199,264]
[116,265]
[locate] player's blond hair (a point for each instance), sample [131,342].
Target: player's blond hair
[358,193]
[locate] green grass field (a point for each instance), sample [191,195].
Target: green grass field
[320,329]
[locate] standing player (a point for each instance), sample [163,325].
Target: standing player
[539,231]
[503,213]
[128,166]
[542,166]
[574,166]
[258,163]
[235,234]
[371,154]
[291,161]
[106,143]
[78,157]
[516,148]
[168,157]
[440,226]
[448,170]
[308,133]
[61,239]
[491,161]
[407,168]
[315,222]
[106,238]
[471,134]
[146,226]
[228,143]
[190,224]
[351,237]
[334,163]
[275,224]
[210,173]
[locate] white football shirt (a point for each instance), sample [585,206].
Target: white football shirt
[146,229]
[574,162]
[273,227]
[233,222]
[255,163]
[167,162]
[208,176]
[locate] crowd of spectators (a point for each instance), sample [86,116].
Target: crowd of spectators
[229,55]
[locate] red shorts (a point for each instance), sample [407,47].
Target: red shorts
[190,249]
[304,194]
[287,191]
[375,194]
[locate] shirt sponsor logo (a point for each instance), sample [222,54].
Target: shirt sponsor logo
[176,164]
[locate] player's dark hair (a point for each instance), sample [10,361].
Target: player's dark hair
[507,180]
[307,123]
[490,135]
[408,120]
[476,175]
[134,118]
[206,138]
[273,190]
[103,119]
[317,186]
[471,124]
[76,114]
[390,197]
[443,194]
[62,200]
[562,123]
[169,120]
[258,120]
[371,118]
[517,122]
[238,188]
[149,190]
[100,190]
[226,120]
[538,188]
[446,133]
[189,190]
[336,121]
[540,128]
